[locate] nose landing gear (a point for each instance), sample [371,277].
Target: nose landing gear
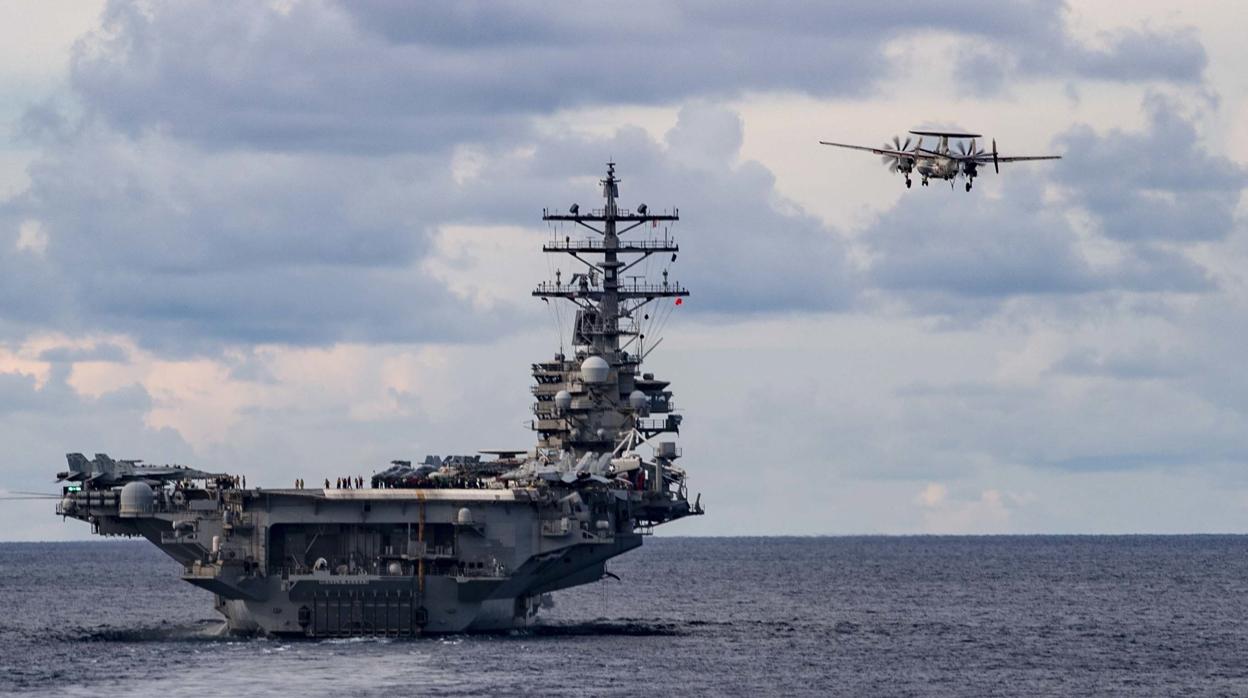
[968,185]
[908,182]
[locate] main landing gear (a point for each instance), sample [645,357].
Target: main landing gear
[968,185]
[924,182]
[908,182]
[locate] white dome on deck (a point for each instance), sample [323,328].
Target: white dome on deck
[595,369]
[638,401]
[137,499]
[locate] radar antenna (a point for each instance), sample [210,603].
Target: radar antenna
[589,401]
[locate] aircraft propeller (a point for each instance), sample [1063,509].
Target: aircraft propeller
[964,149]
[972,158]
[895,163]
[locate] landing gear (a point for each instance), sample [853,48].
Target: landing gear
[925,181]
[968,185]
[908,182]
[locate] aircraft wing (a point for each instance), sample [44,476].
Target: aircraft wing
[877,151]
[171,472]
[985,159]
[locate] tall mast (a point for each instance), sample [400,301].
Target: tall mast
[604,403]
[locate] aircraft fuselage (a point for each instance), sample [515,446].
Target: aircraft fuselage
[938,167]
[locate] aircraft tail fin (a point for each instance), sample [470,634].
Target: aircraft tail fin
[79,467]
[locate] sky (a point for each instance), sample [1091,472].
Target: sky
[296,238]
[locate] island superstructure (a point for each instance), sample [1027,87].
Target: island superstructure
[454,544]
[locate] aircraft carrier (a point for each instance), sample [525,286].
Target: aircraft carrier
[458,543]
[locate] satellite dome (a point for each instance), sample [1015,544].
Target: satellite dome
[563,400]
[464,516]
[638,400]
[595,369]
[137,499]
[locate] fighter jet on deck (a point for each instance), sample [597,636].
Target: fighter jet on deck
[943,162]
[104,472]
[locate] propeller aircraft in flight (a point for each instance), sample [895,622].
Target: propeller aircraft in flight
[942,162]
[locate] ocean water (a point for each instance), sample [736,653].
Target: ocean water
[922,616]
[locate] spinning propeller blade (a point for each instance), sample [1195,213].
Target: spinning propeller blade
[892,161]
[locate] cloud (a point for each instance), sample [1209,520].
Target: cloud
[1131,54]
[1150,196]
[32,238]
[179,246]
[979,247]
[42,422]
[101,351]
[1139,363]
[1040,46]
[191,250]
[988,510]
[932,495]
[1159,184]
[383,76]
[279,172]
[745,248]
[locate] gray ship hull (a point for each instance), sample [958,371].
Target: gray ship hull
[331,563]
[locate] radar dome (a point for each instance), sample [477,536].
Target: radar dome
[563,400]
[137,499]
[464,516]
[595,369]
[638,400]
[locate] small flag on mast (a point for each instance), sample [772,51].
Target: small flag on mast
[680,301]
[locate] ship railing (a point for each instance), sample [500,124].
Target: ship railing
[621,212]
[96,499]
[440,551]
[566,289]
[637,288]
[288,571]
[178,537]
[659,288]
[652,245]
[659,425]
[486,570]
[490,570]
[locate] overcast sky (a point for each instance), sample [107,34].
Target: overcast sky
[296,238]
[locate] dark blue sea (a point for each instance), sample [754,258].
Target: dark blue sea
[922,616]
